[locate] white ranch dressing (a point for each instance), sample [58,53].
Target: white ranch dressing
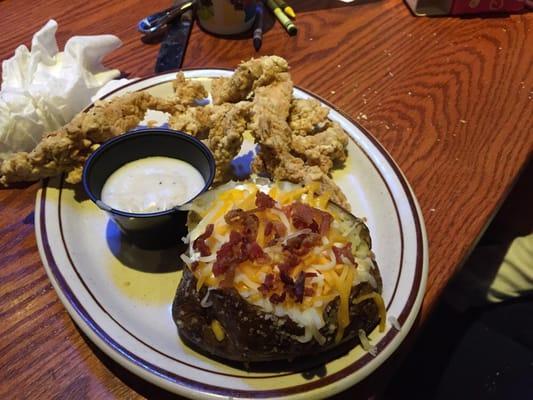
[152,184]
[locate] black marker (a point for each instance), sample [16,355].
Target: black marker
[258,26]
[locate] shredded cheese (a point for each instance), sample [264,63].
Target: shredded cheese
[218,331]
[345,288]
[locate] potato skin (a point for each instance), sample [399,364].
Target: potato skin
[252,335]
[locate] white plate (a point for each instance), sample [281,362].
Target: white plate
[121,296]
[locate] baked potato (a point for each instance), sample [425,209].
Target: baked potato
[274,272]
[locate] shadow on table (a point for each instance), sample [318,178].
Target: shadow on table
[471,348]
[17,185]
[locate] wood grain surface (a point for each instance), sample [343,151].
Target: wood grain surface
[451,99]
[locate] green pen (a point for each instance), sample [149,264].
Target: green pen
[282,18]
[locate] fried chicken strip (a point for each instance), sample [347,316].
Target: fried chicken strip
[226,135]
[323,149]
[295,170]
[270,112]
[307,117]
[187,91]
[195,121]
[222,127]
[66,149]
[297,141]
[248,76]
[315,138]
[270,129]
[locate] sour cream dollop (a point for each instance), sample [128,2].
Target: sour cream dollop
[152,184]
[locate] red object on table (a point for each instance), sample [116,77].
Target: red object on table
[460,7]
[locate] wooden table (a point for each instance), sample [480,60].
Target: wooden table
[450,98]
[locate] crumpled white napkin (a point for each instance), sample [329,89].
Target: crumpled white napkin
[43,89]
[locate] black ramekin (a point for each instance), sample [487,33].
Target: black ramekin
[159,229]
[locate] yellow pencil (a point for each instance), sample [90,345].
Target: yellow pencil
[286,8]
[282,18]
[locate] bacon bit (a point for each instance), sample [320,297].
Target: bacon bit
[263,200]
[276,227]
[251,225]
[279,229]
[271,243]
[247,223]
[326,223]
[269,226]
[267,285]
[304,216]
[290,262]
[345,251]
[286,279]
[276,298]
[338,253]
[299,287]
[302,244]
[301,215]
[310,274]
[296,288]
[256,253]
[242,244]
[229,276]
[230,254]
[200,245]
[194,265]
[234,216]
